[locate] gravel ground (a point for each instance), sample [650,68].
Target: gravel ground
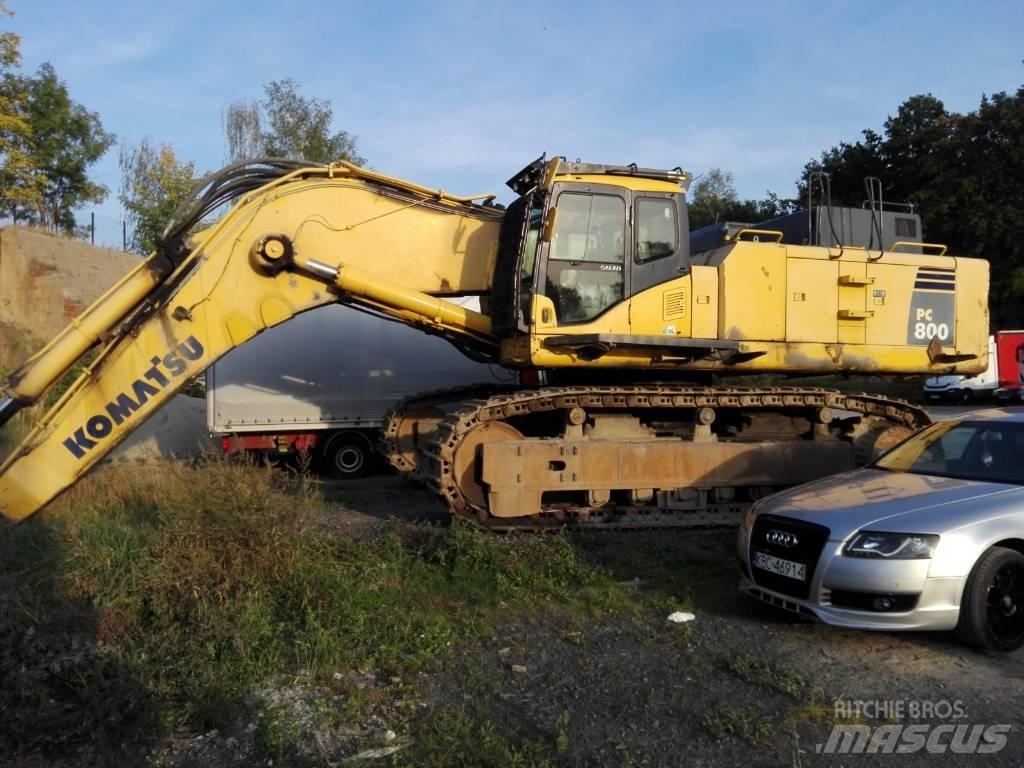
[741,684]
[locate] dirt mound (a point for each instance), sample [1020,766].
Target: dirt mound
[47,280]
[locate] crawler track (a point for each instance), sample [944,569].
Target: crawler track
[882,421]
[397,454]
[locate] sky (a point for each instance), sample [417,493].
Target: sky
[461,95]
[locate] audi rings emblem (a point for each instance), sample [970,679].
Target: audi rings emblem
[781,538]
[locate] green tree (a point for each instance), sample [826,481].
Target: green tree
[963,172]
[243,129]
[910,157]
[287,124]
[713,199]
[153,182]
[984,215]
[847,165]
[66,141]
[712,196]
[21,183]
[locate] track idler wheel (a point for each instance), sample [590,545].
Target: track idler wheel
[465,462]
[412,435]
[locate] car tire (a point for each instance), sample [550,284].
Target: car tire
[347,456]
[992,606]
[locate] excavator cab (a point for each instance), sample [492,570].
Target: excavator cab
[580,241]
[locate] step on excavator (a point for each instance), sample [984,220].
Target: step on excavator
[587,282]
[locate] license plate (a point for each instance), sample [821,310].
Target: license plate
[786,568]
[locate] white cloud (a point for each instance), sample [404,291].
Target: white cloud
[440,142]
[116,52]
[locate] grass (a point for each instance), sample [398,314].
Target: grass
[758,671]
[816,708]
[157,598]
[723,724]
[752,726]
[153,597]
[461,737]
[15,430]
[16,345]
[676,572]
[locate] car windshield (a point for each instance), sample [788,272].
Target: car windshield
[990,451]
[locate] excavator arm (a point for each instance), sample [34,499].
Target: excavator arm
[297,236]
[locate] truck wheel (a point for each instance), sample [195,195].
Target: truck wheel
[992,607]
[346,456]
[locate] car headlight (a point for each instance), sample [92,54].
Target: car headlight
[892,546]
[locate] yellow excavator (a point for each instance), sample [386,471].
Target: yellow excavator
[588,279]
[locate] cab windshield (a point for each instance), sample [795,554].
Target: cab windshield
[585,263]
[988,451]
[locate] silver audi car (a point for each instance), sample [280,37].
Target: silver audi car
[928,537]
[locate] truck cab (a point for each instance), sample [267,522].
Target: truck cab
[1010,388]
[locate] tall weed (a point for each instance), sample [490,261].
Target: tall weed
[192,585]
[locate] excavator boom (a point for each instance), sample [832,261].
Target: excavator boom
[301,239]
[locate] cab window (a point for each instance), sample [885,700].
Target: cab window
[585,260]
[589,228]
[529,260]
[657,234]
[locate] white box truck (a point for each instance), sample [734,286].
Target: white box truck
[321,384]
[1002,379]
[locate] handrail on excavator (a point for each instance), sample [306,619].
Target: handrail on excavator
[757,234]
[939,248]
[394,181]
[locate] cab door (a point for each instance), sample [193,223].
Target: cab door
[584,271]
[661,290]
[660,245]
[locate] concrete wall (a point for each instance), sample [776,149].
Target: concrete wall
[46,280]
